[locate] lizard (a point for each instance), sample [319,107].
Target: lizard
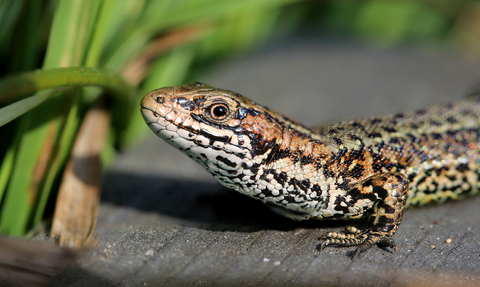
[370,169]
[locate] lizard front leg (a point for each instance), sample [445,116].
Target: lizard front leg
[386,195]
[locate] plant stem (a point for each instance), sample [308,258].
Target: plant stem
[17,87]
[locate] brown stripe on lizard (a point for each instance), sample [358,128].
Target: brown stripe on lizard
[372,168]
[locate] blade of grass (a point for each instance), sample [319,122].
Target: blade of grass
[86,29]
[169,70]
[125,19]
[156,9]
[22,191]
[68,39]
[7,166]
[24,50]
[9,13]
[7,114]
[106,17]
[182,15]
[40,127]
[62,145]
[17,109]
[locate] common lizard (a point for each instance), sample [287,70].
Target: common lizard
[371,168]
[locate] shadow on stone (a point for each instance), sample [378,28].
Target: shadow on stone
[72,274]
[202,204]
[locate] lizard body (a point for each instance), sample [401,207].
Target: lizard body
[372,168]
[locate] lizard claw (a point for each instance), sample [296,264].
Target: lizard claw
[388,243]
[323,245]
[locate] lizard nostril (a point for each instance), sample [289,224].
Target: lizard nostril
[160,99]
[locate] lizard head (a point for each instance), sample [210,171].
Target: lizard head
[220,129]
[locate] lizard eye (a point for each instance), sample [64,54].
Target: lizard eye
[219,111]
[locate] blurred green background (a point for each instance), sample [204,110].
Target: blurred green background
[129,47]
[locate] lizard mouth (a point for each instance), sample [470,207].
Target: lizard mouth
[168,123]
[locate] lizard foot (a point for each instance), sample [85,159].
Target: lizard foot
[352,236]
[387,194]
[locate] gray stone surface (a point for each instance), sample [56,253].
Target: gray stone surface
[164,221]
